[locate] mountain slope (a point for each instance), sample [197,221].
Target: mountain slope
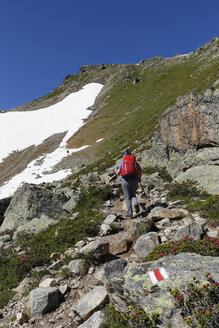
[126,111]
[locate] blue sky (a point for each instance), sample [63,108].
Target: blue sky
[42,41]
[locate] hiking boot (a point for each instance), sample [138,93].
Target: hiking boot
[137,208]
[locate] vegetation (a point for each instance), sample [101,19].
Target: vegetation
[161,170]
[199,303]
[38,248]
[130,113]
[205,247]
[196,199]
[134,318]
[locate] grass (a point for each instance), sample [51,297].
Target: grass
[196,200]
[131,111]
[57,238]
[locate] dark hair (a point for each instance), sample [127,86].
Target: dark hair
[128,152]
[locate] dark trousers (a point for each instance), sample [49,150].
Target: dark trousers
[129,188]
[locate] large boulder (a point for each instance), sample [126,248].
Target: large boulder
[145,244]
[43,300]
[137,283]
[90,302]
[192,121]
[32,201]
[207,177]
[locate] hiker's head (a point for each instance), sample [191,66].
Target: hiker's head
[128,152]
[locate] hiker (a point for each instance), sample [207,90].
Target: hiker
[131,173]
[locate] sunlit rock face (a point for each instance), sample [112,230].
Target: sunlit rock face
[191,122]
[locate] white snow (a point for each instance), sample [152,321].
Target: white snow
[19,130]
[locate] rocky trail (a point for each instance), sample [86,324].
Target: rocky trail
[74,295]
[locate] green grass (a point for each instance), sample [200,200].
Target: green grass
[196,200]
[131,113]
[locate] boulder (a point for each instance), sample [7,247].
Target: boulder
[90,302]
[71,204]
[145,244]
[77,267]
[48,282]
[43,300]
[207,177]
[94,321]
[109,219]
[135,282]
[32,201]
[191,122]
[34,226]
[194,230]
[164,214]
[97,248]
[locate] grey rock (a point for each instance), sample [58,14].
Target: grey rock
[91,302]
[64,289]
[105,229]
[94,321]
[194,230]
[165,214]
[97,248]
[31,201]
[71,204]
[5,238]
[132,281]
[145,244]
[48,282]
[43,300]
[110,219]
[77,267]
[34,226]
[56,265]
[207,177]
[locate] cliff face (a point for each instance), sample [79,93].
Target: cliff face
[192,122]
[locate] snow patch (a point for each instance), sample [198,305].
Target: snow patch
[19,130]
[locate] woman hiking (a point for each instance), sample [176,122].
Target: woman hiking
[131,173]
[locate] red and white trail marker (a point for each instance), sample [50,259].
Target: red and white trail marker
[158,275]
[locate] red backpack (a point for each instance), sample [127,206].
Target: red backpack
[129,166]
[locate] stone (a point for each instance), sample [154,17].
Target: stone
[70,205]
[22,318]
[207,177]
[77,267]
[32,201]
[55,256]
[105,229]
[56,265]
[94,321]
[64,289]
[194,230]
[5,238]
[110,219]
[163,223]
[24,286]
[48,282]
[43,300]
[97,248]
[192,121]
[132,282]
[145,244]
[165,214]
[90,302]
[212,233]
[34,226]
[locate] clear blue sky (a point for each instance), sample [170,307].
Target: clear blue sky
[44,40]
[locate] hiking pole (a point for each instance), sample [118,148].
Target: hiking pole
[142,189]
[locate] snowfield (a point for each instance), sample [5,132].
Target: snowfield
[19,130]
